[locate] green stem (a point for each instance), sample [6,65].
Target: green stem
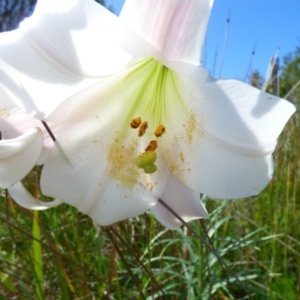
[37,256]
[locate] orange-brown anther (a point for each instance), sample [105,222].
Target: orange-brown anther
[152,146]
[143,128]
[160,130]
[136,122]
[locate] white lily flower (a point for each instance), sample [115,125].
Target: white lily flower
[19,151]
[24,143]
[14,122]
[18,156]
[142,120]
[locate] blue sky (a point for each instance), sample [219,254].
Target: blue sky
[271,25]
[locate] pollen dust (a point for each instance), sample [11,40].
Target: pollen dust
[121,157]
[190,128]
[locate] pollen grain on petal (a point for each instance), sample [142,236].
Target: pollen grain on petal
[178,169]
[121,158]
[4,113]
[181,155]
[136,122]
[150,186]
[160,130]
[143,128]
[177,162]
[190,127]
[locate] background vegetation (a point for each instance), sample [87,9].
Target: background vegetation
[61,254]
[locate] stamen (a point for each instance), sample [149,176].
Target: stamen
[160,130]
[143,128]
[136,122]
[49,131]
[152,146]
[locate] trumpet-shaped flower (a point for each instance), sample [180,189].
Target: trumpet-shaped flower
[24,143]
[19,150]
[139,118]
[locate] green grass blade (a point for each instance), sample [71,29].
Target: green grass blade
[37,256]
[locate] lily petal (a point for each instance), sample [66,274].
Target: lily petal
[18,156]
[176,28]
[78,37]
[20,195]
[184,201]
[6,104]
[231,103]
[223,143]
[57,51]
[95,174]
[19,122]
[14,122]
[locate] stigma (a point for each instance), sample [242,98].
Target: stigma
[147,159]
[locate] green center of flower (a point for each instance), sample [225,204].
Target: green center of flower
[145,102]
[147,159]
[146,162]
[149,99]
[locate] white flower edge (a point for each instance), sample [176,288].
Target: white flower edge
[184,201]
[21,196]
[65,53]
[17,122]
[19,155]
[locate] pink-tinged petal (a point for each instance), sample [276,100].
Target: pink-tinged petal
[184,201]
[176,28]
[221,141]
[63,48]
[19,193]
[19,155]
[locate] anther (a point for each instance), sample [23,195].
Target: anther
[152,146]
[160,130]
[143,128]
[136,122]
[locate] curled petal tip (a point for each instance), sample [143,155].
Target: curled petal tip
[19,155]
[19,193]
